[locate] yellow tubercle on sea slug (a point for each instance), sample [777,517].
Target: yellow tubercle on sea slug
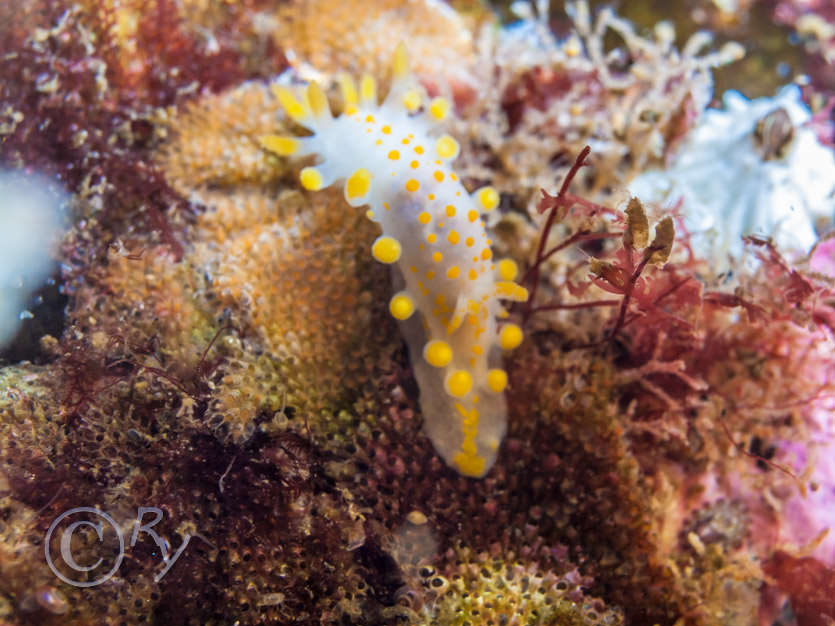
[510,336]
[393,157]
[311,179]
[401,306]
[508,269]
[497,380]
[386,249]
[437,353]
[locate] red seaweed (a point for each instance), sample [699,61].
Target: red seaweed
[809,584]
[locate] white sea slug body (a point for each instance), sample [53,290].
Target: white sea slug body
[392,157]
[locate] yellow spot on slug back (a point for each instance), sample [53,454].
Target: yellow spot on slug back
[488,197]
[469,241]
[486,254]
[508,269]
[412,185]
[311,179]
[510,336]
[454,324]
[469,464]
[414,165]
[496,380]
[453,272]
[386,249]
[424,218]
[459,383]
[418,149]
[472,215]
[447,148]
[437,257]
[386,130]
[394,155]
[439,176]
[437,353]
[450,210]
[453,237]
[401,306]
[358,184]
[439,108]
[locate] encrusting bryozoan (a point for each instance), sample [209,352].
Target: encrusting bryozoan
[393,158]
